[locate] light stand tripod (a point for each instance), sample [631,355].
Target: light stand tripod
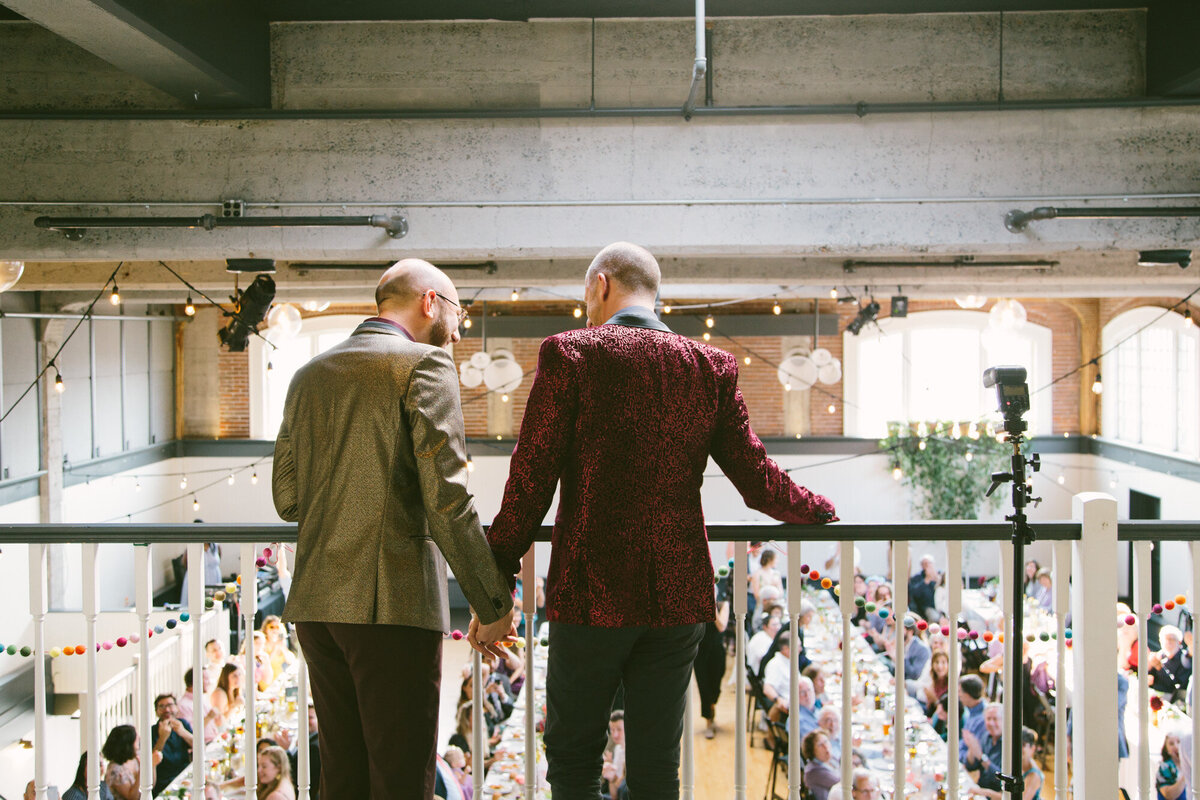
[1013,395]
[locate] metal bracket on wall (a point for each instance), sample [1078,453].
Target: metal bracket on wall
[73,228]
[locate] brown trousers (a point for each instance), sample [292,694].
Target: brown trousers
[376,690]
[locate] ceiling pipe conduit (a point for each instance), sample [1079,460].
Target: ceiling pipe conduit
[1017,221]
[700,67]
[72,227]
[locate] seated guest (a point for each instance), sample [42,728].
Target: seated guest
[1170,667]
[777,674]
[227,697]
[985,753]
[1033,775]
[240,780]
[124,772]
[1043,589]
[916,656]
[819,772]
[830,721]
[922,588]
[79,787]
[770,606]
[173,738]
[1170,779]
[766,575]
[274,775]
[882,599]
[760,643]
[613,770]
[940,718]
[263,674]
[314,755]
[462,736]
[814,674]
[935,686]
[970,699]
[806,712]
[214,654]
[186,705]
[275,647]
[457,761]
[865,787]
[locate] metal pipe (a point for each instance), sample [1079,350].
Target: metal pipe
[96,317]
[396,225]
[1017,220]
[735,201]
[699,67]
[860,109]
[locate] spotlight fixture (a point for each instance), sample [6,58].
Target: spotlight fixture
[866,315]
[190,308]
[1163,258]
[251,310]
[899,306]
[115,297]
[1097,385]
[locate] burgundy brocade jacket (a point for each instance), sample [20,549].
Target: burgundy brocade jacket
[626,418]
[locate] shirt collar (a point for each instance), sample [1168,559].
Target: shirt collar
[375,321]
[637,317]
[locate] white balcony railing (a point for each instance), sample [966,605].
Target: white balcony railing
[1085,565]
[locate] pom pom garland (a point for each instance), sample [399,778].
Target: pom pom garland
[826,583]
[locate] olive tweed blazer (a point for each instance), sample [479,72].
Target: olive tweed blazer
[371,462]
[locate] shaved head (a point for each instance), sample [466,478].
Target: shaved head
[407,279]
[630,266]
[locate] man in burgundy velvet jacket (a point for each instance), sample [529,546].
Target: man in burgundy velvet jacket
[625,414]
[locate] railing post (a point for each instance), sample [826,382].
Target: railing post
[195,605]
[738,579]
[91,712]
[1195,708]
[37,608]
[1094,566]
[954,601]
[249,600]
[1013,650]
[795,597]
[1141,609]
[849,688]
[477,738]
[303,767]
[529,609]
[899,612]
[1062,587]
[144,708]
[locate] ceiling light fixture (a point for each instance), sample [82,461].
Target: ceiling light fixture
[866,315]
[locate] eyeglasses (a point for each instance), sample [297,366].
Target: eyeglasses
[462,312]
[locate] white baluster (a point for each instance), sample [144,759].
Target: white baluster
[249,598]
[899,610]
[687,777]
[91,715]
[1141,608]
[477,752]
[738,587]
[1194,711]
[37,607]
[1062,586]
[144,707]
[846,598]
[1012,649]
[195,606]
[303,767]
[954,602]
[529,609]
[795,596]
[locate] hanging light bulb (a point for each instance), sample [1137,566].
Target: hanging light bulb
[972,431]
[1112,482]
[503,398]
[516,295]
[1187,317]
[577,313]
[1097,385]
[922,430]
[58,382]
[956,432]
[746,360]
[190,308]
[1062,479]
[833,293]
[776,309]
[921,445]
[115,297]
[231,479]
[254,479]
[195,503]
[897,474]
[969,455]
[787,387]
[709,321]
[707,336]
[832,408]
[183,482]
[467,322]
[137,485]
[666,309]
[270,366]
[470,465]
[969,301]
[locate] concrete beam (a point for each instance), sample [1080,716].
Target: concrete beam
[209,55]
[1172,60]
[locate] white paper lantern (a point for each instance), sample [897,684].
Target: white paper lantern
[314,306]
[1007,315]
[480,360]
[470,375]
[970,301]
[830,373]
[285,320]
[821,357]
[799,372]
[10,273]
[503,375]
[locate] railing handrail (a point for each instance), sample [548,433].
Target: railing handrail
[925,530]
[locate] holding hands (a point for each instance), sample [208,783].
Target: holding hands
[487,638]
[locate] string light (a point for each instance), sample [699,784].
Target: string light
[137,485]
[1097,385]
[577,313]
[666,309]
[1187,317]
[230,479]
[709,321]
[195,503]
[58,381]
[776,309]
[470,465]
[190,308]
[746,360]
[503,398]
[833,293]
[183,482]
[969,455]
[787,387]
[707,336]
[1062,479]
[897,474]
[516,295]
[1112,482]
[115,297]
[832,408]
[254,479]
[467,323]
[921,445]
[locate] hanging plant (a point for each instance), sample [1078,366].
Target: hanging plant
[948,470]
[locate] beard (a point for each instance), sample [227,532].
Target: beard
[439,334]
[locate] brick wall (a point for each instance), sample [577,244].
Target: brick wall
[1075,327]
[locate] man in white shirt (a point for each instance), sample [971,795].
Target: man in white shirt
[760,643]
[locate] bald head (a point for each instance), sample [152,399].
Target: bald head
[405,281]
[631,267]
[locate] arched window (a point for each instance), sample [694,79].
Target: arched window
[1151,380]
[929,367]
[268,386]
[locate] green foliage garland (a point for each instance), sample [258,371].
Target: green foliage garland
[945,485]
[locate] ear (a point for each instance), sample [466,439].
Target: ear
[605,286]
[428,301]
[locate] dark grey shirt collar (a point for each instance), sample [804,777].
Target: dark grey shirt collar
[638,317]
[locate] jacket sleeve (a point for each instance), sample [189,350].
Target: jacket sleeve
[763,485]
[435,419]
[283,471]
[537,461]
